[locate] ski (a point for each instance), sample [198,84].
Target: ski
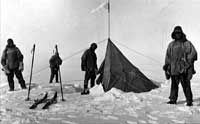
[53,100]
[39,101]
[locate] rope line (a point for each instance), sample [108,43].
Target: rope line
[80,51]
[141,54]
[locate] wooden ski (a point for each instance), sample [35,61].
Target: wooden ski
[39,101]
[53,100]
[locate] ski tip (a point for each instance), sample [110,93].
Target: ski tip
[46,106]
[33,107]
[53,100]
[46,95]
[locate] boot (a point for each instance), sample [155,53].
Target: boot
[171,102]
[11,89]
[23,86]
[85,92]
[189,104]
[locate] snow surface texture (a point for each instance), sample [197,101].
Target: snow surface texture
[97,90]
[115,106]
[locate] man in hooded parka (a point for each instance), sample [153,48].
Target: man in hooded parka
[179,65]
[12,62]
[89,65]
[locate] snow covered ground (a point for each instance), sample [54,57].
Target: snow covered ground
[113,107]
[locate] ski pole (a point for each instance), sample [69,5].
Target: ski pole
[33,50]
[61,89]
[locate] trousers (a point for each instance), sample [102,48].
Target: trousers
[175,80]
[19,76]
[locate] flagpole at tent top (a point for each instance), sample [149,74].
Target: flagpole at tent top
[108,19]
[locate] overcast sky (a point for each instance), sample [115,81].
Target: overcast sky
[142,25]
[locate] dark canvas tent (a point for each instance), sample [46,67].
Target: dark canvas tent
[118,72]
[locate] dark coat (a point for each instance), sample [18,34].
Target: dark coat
[55,61]
[11,57]
[89,61]
[180,58]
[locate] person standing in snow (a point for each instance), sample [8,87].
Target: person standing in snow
[55,62]
[179,65]
[12,62]
[89,65]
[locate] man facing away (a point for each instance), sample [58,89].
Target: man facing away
[12,62]
[179,65]
[89,65]
[55,62]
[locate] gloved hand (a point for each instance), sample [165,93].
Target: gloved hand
[5,69]
[21,66]
[83,67]
[165,67]
[167,75]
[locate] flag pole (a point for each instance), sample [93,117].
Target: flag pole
[108,19]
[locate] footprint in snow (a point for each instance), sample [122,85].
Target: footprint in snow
[152,122]
[69,122]
[152,118]
[142,121]
[178,122]
[110,117]
[131,122]
[55,119]
[71,116]
[113,117]
[155,112]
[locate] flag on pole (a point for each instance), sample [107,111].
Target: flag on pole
[107,6]
[104,5]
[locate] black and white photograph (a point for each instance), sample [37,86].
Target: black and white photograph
[99,62]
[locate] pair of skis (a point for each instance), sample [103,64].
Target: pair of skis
[44,99]
[33,51]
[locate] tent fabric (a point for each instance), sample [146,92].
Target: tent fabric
[122,74]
